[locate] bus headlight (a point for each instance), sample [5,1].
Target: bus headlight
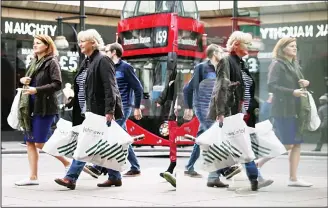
[164,129]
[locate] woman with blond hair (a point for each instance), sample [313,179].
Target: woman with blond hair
[96,91]
[38,103]
[286,82]
[234,92]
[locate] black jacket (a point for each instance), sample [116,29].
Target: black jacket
[229,88]
[48,81]
[282,83]
[101,91]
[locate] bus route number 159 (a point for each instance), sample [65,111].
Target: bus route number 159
[161,37]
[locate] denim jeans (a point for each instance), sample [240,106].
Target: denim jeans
[204,124]
[132,158]
[77,166]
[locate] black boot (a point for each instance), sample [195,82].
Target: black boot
[318,147]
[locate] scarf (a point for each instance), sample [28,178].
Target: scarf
[305,108]
[24,103]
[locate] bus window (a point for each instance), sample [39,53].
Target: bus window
[128,10]
[190,9]
[146,7]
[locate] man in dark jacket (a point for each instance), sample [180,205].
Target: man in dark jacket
[192,91]
[323,114]
[130,90]
[167,99]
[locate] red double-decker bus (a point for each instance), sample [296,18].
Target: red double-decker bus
[155,35]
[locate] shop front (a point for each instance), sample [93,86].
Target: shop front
[17,52]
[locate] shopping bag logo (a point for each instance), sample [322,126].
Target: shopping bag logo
[69,148]
[106,150]
[236,132]
[258,150]
[221,152]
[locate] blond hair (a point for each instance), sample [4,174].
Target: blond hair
[93,36]
[237,36]
[47,40]
[278,50]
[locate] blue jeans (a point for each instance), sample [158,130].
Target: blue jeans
[132,158]
[77,166]
[251,171]
[203,126]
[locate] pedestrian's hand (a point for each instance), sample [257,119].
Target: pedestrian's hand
[29,91]
[220,118]
[158,105]
[304,82]
[137,113]
[299,93]
[109,117]
[25,80]
[188,114]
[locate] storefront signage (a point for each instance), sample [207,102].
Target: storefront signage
[26,28]
[144,38]
[68,60]
[306,31]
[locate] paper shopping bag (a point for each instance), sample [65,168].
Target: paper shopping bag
[63,141]
[264,141]
[12,118]
[236,135]
[215,153]
[313,117]
[102,145]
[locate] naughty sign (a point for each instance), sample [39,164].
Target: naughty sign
[298,30]
[29,28]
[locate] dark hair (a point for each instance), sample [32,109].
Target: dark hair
[118,48]
[211,49]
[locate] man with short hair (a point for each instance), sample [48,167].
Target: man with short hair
[129,87]
[204,71]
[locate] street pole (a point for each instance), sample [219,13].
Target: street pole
[82,27]
[235,16]
[82,16]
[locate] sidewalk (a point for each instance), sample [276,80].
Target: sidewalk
[153,191]
[16,148]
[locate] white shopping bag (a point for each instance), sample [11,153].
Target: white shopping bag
[63,141]
[12,118]
[235,132]
[314,120]
[264,141]
[102,145]
[215,151]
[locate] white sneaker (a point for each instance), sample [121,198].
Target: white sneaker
[27,182]
[264,182]
[299,183]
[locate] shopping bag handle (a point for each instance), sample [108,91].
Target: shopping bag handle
[108,123]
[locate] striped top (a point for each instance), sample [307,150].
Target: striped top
[80,79]
[248,83]
[128,84]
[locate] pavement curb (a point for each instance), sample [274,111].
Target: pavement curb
[303,153]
